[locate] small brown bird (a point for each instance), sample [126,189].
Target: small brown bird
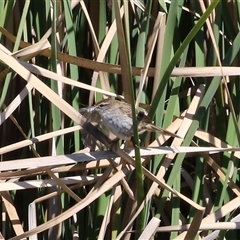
[116,116]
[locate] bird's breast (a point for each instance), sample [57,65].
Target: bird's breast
[121,126]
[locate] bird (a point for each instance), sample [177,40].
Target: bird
[116,117]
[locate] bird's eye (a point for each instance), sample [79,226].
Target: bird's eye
[101,105]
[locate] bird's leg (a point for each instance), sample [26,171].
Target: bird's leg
[134,142]
[114,144]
